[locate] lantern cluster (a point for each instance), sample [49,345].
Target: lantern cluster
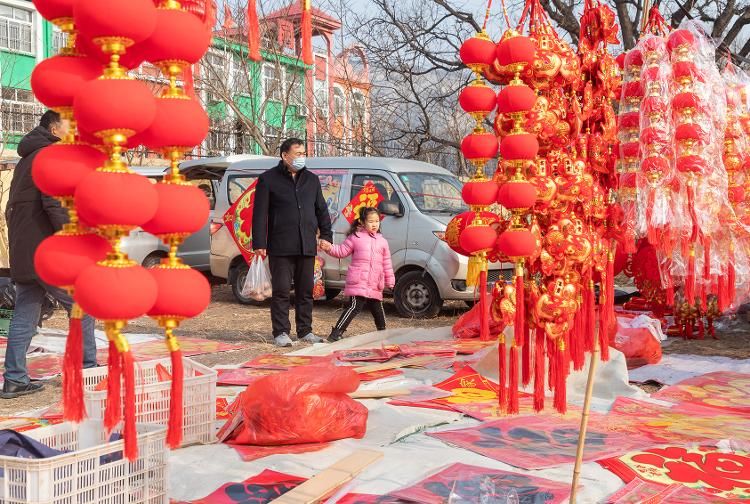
[113,112]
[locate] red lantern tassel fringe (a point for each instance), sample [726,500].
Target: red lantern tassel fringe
[188,82]
[560,400]
[552,363]
[526,358]
[502,391]
[113,413]
[706,273]
[307,54]
[484,327]
[731,279]
[253,32]
[176,409]
[513,381]
[589,316]
[607,309]
[576,340]
[130,434]
[690,280]
[670,294]
[74,408]
[540,338]
[721,293]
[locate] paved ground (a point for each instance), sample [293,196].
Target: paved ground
[226,320]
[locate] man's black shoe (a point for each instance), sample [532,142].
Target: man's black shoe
[12,389]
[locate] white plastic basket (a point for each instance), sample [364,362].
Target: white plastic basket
[94,472]
[153,397]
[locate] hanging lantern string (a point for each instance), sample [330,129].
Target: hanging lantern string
[487,15]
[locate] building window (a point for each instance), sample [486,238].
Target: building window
[59,40]
[339,104]
[20,113]
[294,83]
[321,98]
[358,109]
[272,82]
[16,29]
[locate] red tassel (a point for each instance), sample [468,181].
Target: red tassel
[519,329]
[502,391]
[113,413]
[74,408]
[721,293]
[670,294]
[130,434]
[690,280]
[210,14]
[540,338]
[731,279]
[526,358]
[560,400]
[484,326]
[174,429]
[188,82]
[253,32]
[307,54]
[701,328]
[576,340]
[589,316]
[552,363]
[706,273]
[513,381]
[608,313]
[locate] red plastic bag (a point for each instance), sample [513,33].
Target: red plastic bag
[468,325]
[638,345]
[303,405]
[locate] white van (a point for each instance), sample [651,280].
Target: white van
[419,201]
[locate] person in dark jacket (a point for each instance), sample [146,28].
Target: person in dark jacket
[31,217]
[288,213]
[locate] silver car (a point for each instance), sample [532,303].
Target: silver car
[418,201]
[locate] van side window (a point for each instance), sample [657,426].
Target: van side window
[207,187]
[238,184]
[383,186]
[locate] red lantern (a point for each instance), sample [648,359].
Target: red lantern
[627,180]
[59,168]
[479,146]
[478,52]
[630,150]
[736,194]
[653,44]
[692,164]
[629,120]
[477,100]
[517,195]
[55,9]
[60,258]
[182,292]
[653,135]
[479,192]
[131,20]
[456,226]
[516,50]
[118,199]
[686,70]
[633,58]
[111,293]
[632,89]
[620,60]
[477,237]
[56,80]
[680,39]
[179,37]
[517,243]
[686,100]
[656,165]
[514,99]
[521,146]
[180,123]
[106,105]
[182,209]
[654,105]
[690,131]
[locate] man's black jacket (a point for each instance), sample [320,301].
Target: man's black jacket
[31,215]
[288,212]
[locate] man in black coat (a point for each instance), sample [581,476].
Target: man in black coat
[31,217]
[288,213]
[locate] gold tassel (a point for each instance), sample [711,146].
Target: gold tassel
[477,264]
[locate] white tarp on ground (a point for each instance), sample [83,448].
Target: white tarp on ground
[53,340]
[674,368]
[197,471]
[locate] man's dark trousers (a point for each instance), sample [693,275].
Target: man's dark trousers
[284,271]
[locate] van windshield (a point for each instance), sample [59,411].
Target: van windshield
[433,193]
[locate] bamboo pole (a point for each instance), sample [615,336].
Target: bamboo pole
[584,420]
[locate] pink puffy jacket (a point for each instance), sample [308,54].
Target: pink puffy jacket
[371,269]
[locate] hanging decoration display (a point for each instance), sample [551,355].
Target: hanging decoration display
[110,111]
[557,130]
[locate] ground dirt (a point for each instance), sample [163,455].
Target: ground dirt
[226,320]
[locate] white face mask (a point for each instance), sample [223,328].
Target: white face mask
[298,163]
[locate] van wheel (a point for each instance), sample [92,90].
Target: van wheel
[417,296]
[152,260]
[237,280]
[332,293]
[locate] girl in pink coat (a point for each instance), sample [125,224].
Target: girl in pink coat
[369,273]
